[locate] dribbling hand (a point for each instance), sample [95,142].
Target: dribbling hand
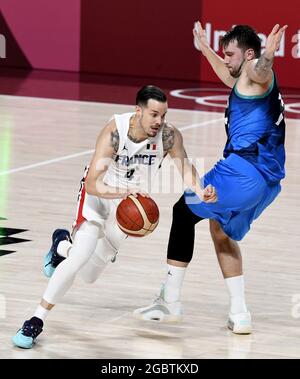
[135,192]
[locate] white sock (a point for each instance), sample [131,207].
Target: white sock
[63,248]
[41,313]
[173,283]
[236,290]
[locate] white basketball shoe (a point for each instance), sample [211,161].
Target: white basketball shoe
[160,311]
[240,323]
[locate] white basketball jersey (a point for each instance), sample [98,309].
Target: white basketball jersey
[134,164]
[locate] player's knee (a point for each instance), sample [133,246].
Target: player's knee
[89,279]
[104,250]
[114,235]
[91,271]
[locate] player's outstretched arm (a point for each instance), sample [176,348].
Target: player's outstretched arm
[188,172]
[260,70]
[216,62]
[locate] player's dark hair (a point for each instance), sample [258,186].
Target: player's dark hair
[150,92]
[246,38]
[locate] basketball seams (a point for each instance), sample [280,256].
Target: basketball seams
[151,215]
[137,233]
[127,222]
[122,214]
[147,223]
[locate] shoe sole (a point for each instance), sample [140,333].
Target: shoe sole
[169,319]
[240,330]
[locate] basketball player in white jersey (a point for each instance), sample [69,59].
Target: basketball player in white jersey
[128,154]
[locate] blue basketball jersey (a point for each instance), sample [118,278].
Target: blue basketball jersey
[255,129]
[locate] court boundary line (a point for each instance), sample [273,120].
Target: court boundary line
[86,152]
[100,103]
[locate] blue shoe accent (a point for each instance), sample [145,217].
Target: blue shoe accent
[22,341]
[53,259]
[27,334]
[48,268]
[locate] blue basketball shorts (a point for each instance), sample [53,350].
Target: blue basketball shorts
[242,192]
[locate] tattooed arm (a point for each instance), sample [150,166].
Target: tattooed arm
[115,139]
[107,145]
[168,137]
[260,70]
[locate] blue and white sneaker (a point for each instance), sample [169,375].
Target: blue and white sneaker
[27,334]
[53,259]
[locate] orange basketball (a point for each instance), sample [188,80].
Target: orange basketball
[137,216]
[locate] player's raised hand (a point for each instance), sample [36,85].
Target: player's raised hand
[274,38]
[200,39]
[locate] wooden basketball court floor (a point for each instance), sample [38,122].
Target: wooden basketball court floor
[44,147]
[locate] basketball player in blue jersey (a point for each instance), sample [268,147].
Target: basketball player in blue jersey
[247,180]
[129,151]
